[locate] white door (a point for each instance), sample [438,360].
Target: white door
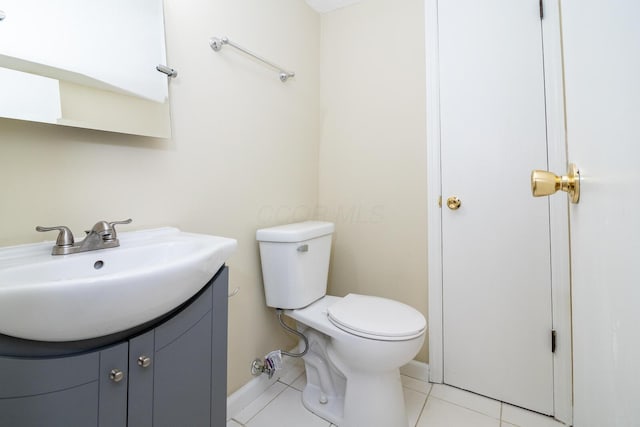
[602,78]
[497,313]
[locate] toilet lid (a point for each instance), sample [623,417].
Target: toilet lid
[376,318]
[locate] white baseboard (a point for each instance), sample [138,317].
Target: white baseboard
[249,392]
[246,394]
[417,370]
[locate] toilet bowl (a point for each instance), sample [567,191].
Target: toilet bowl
[370,393]
[357,343]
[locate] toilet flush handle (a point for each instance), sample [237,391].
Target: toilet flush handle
[303,248]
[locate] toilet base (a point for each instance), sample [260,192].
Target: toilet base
[349,397]
[374,401]
[366,403]
[330,411]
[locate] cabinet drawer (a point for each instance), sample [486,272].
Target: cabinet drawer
[27,377]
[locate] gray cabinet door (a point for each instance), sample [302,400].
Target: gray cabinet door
[113,391]
[182,383]
[65,391]
[77,406]
[220,292]
[141,369]
[182,367]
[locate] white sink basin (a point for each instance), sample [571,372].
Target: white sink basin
[96,293]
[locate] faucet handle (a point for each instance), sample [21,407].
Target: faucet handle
[113,224]
[107,230]
[126,221]
[65,236]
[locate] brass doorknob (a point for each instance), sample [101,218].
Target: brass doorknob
[453,203]
[545,183]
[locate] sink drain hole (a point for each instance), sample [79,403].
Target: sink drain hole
[98,265]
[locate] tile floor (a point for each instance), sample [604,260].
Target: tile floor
[428,405]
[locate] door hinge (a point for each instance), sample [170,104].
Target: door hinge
[553,341]
[541,10]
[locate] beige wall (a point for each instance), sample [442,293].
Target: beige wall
[243,143]
[92,108]
[245,152]
[373,149]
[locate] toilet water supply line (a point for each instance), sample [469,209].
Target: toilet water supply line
[272,362]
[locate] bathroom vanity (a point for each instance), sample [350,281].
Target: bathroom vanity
[170,371]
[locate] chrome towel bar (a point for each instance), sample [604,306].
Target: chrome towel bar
[216,44]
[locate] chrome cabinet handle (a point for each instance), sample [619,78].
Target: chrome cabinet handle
[144,361]
[116,375]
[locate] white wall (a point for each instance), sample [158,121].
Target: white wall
[373,150]
[243,142]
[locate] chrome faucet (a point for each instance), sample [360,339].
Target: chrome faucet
[101,236]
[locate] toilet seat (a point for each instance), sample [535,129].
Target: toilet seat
[376,318]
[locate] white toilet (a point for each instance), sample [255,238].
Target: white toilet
[356,343]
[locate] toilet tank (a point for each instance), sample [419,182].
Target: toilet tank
[295,262]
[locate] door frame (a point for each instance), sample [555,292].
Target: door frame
[558,206]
